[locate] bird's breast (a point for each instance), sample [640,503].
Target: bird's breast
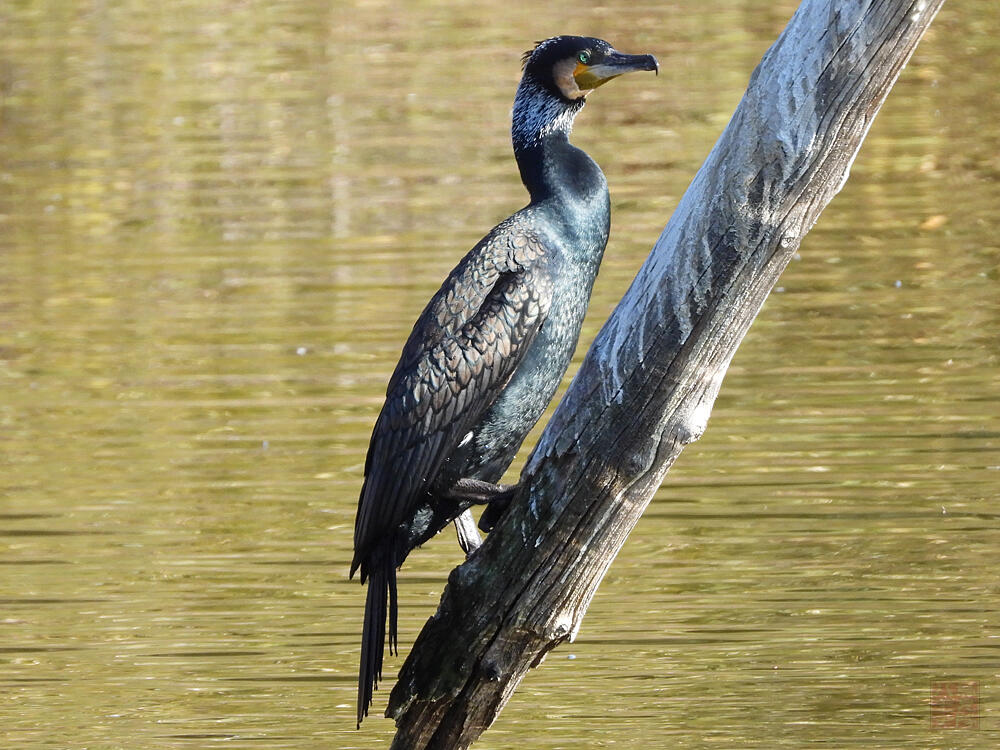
[523,400]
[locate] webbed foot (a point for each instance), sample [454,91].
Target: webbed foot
[496,508]
[477,492]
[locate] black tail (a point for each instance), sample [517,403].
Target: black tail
[381,587]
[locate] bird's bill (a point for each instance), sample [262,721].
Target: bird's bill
[611,66]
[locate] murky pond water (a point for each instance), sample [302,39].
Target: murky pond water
[218,221]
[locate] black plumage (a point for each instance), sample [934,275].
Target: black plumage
[489,350]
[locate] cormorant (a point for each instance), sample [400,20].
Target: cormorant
[489,350]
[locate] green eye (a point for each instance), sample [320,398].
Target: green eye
[584,57]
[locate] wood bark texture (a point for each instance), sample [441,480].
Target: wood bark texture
[647,385]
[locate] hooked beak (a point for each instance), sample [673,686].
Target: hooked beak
[611,66]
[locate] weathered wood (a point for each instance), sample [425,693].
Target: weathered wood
[647,386]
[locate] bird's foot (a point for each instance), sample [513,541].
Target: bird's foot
[497,507]
[477,492]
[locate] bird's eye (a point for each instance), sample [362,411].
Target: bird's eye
[584,57]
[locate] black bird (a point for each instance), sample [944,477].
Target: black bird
[490,348]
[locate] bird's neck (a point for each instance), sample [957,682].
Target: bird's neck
[540,133]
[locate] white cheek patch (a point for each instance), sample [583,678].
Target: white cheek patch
[562,74]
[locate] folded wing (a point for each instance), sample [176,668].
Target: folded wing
[464,348]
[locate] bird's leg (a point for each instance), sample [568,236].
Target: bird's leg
[468,536]
[477,492]
[452,505]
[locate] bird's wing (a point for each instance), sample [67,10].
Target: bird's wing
[506,249]
[454,366]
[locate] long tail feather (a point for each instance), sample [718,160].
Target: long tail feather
[381,587]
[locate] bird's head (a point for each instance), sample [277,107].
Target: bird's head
[558,75]
[571,67]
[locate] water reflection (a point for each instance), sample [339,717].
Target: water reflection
[217,223]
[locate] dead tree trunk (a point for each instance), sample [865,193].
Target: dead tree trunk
[646,388]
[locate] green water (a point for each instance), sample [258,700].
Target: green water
[218,221]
